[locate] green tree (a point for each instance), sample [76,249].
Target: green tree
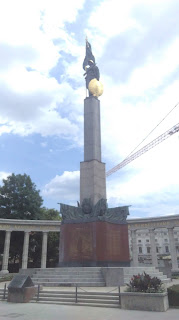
[19,198]
[49,214]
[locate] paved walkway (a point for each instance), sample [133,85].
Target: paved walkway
[28,311]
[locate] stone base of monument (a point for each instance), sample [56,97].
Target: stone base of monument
[21,289]
[22,296]
[93,244]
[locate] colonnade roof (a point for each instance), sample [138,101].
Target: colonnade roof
[30,225]
[170,221]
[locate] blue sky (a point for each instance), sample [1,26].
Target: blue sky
[42,89]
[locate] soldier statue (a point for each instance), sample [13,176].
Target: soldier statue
[91,74]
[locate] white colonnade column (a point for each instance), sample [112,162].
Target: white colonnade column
[173,251]
[44,250]
[25,250]
[6,252]
[153,248]
[134,248]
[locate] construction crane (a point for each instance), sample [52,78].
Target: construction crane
[146,148]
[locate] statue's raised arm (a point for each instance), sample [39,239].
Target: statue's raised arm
[92,74]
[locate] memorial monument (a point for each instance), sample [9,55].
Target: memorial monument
[93,234]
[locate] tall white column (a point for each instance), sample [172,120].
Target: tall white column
[44,250]
[25,250]
[6,252]
[134,248]
[173,251]
[153,248]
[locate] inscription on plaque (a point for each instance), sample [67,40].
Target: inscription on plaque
[113,243]
[81,245]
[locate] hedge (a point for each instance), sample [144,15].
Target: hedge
[173,295]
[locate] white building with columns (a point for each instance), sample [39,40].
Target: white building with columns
[152,239]
[149,239]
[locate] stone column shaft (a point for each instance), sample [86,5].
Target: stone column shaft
[134,248]
[25,250]
[92,129]
[153,248]
[6,252]
[92,170]
[44,250]
[173,251]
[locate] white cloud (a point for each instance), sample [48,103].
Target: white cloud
[120,12]
[30,99]
[4,175]
[63,188]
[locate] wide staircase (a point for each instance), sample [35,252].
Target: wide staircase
[71,277]
[152,271]
[86,276]
[78,296]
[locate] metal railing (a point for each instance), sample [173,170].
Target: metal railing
[80,293]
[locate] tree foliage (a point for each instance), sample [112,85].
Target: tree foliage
[19,198]
[49,214]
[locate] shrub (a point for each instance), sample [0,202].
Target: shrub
[173,295]
[175,274]
[7,277]
[145,283]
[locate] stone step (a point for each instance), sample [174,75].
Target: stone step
[136,273]
[84,293]
[68,280]
[142,271]
[80,296]
[87,300]
[139,270]
[147,268]
[71,277]
[68,274]
[80,304]
[69,269]
[70,284]
[152,275]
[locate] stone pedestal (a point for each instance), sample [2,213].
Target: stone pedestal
[21,289]
[93,244]
[92,181]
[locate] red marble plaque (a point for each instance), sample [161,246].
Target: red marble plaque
[94,242]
